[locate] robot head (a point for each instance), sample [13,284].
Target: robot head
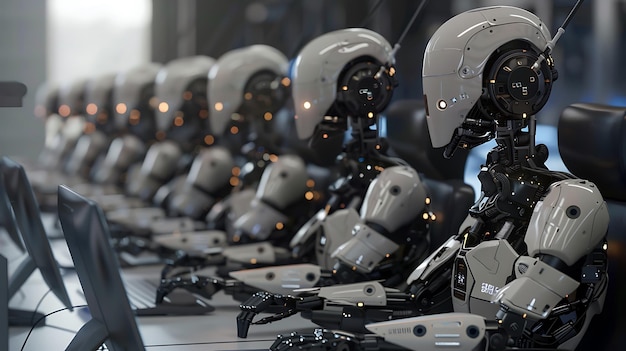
[334,75]
[134,100]
[46,100]
[477,70]
[181,91]
[99,104]
[72,98]
[248,81]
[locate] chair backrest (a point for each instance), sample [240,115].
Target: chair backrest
[592,144]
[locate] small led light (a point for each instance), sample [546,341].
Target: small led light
[370,115]
[91,108]
[64,110]
[442,105]
[425,215]
[308,195]
[219,106]
[285,81]
[306,105]
[163,106]
[280,226]
[209,140]
[267,116]
[427,201]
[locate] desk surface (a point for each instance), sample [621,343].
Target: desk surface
[214,331]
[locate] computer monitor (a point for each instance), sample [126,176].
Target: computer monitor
[88,239]
[22,219]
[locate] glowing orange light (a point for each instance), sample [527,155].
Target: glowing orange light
[234,181]
[324,136]
[285,81]
[64,110]
[121,108]
[219,106]
[234,130]
[163,106]
[179,121]
[273,158]
[425,216]
[280,226]
[308,195]
[427,201]
[209,139]
[187,95]
[267,116]
[134,117]
[247,96]
[310,183]
[91,108]
[203,113]
[236,171]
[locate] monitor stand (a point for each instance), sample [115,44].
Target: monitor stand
[21,318]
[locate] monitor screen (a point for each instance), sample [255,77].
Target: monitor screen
[88,240]
[18,204]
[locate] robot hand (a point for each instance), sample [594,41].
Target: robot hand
[319,340]
[327,340]
[281,305]
[203,286]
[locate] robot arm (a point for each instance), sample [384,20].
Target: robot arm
[566,227]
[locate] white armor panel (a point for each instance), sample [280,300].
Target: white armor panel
[570,221]
[211,169]
[280,279]
[161,160]
[394,198]
[337,229]
[262,252]
[537,291]
[480,274]
[446,331]
[439,257]
[283,182]
[365,249]
[370,293]
[260,221]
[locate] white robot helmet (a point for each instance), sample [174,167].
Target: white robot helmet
[46,100]
[339,69]
[253,78]
[99,104]
[483,59]
[72,98]
[181,85]
[135,102]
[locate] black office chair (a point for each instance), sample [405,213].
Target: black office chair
[408,137]
[592,144]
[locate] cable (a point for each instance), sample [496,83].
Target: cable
[43,318]
[37,306]
[396,46]
[368,17]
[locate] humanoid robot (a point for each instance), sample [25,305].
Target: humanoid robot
[132,122]
[180,126]
[528,267]
[248,92]
[331,93]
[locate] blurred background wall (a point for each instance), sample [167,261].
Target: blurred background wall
[62,40]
